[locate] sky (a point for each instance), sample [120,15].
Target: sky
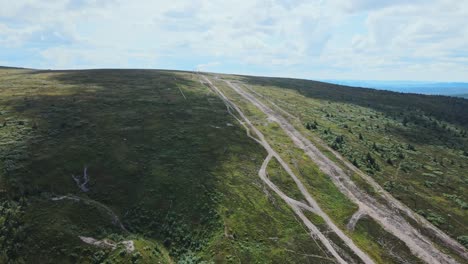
[423,40]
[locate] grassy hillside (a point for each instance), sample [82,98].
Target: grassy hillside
[415,146]
[450,109]
[154,158]
[177,170]
[372,239]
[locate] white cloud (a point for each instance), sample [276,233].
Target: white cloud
[207,66]
[366,5]
[424,41]
[345,38]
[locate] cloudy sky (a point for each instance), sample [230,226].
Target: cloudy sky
[327,39]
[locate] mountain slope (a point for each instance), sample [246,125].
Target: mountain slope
[373,203]
[161,160]
[415,146]
[180,174]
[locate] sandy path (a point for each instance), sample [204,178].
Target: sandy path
[394,203]
[315,232]
[389,218]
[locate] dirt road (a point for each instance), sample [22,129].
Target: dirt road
[394,203]
[295,205]
[389,218]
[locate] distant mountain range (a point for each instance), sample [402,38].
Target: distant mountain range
[459,89]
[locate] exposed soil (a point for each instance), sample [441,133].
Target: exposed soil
[387,215]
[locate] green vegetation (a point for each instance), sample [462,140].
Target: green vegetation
[180,174]
[390,247]
[319,185]
[281,178]
[414,145]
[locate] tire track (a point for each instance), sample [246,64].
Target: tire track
[315,232]
[389,218]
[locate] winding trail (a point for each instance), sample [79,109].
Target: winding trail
[115,219]
[293,204]
[387,216]
[354,219]
[180,90]
[394,203]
